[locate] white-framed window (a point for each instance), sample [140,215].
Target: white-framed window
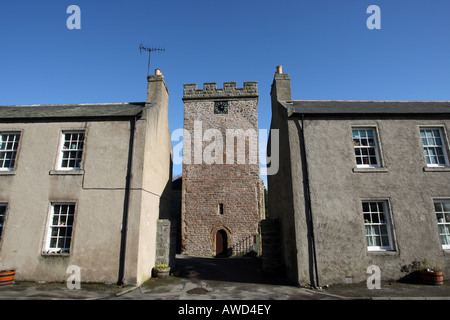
[434,147]
[59,234]
[71,154]
[377,225]
[366,148]
[9,143]
[442,210]
[3,209]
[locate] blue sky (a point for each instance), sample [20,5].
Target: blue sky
[324,45]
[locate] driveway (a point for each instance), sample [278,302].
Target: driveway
[234,279]
[198,278]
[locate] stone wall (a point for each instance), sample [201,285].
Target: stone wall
[271,249]
[222,195]
[165,242]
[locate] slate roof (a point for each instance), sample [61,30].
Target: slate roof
[78,111]
[366,107]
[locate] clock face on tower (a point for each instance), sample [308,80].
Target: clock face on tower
[220,107]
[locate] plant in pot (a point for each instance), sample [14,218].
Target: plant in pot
[431,275]
[162,270]
[7,276]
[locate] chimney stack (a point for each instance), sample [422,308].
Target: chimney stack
[157,89]
[281,86]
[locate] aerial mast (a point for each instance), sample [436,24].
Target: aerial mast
[149,50]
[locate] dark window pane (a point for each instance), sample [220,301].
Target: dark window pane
[366,207]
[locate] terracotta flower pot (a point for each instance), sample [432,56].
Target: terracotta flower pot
[431,277]
[7,277]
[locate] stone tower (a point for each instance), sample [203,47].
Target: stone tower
[221,188]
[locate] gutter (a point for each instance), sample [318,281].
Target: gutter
[307,195]
[126,205]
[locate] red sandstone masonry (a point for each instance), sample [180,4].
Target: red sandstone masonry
[205,186]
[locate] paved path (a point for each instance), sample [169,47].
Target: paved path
[221,279]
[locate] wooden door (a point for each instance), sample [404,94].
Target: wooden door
[221,243]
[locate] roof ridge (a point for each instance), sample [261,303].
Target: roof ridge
[73,104]
[406,101]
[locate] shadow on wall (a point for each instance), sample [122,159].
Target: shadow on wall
[167,227]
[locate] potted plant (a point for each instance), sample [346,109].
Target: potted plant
[7,276]
[162,270]
[431,275]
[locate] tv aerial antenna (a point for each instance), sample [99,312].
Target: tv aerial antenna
[149,50]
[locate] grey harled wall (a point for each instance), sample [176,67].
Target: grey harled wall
[337,190]
[280,185]
[98,189]
[98,192]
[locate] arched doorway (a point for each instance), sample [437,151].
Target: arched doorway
[221,243]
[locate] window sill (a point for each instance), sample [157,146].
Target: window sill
[371,170]
[436,169]
[7,172]
[55,254]
[382,252]
[66,172]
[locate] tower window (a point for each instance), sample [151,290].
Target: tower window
[221,209]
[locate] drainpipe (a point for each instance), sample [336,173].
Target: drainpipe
[126,205]
[308,203]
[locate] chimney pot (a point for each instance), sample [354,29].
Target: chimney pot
[279,69]
[158,72]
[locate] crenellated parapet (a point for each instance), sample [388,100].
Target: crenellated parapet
[229,90]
